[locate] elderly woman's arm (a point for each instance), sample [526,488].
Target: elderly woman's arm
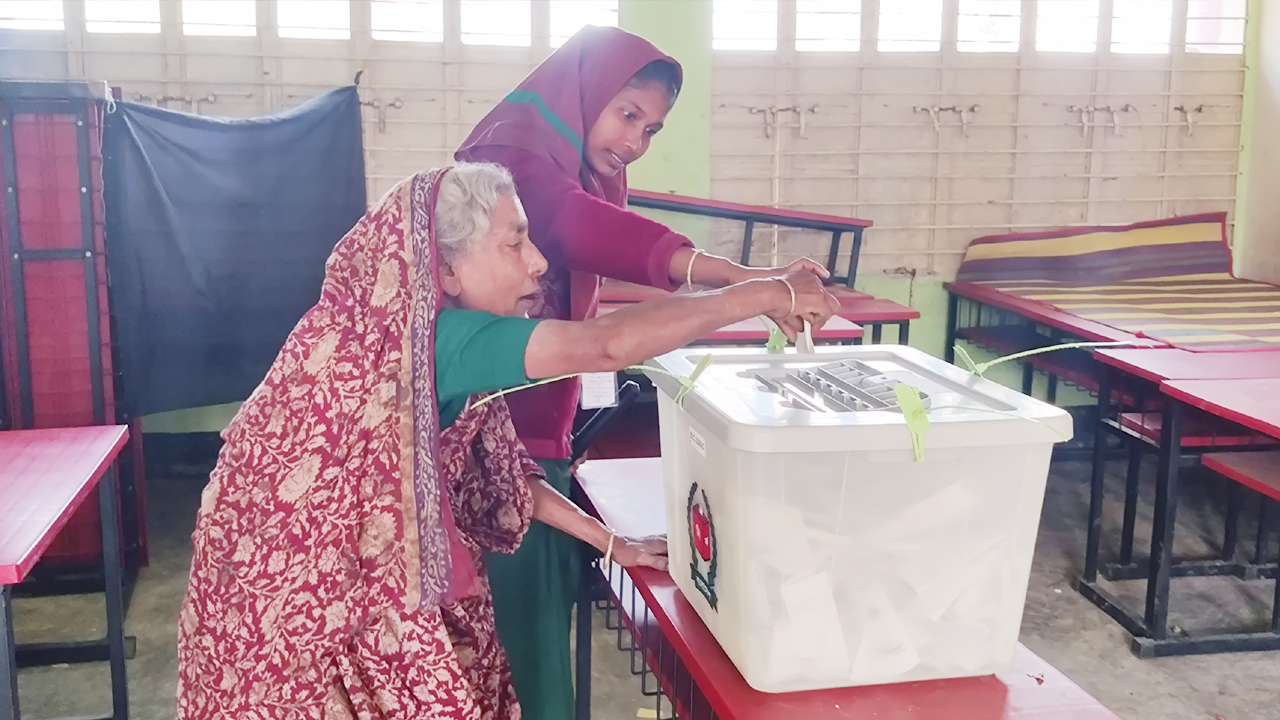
[552,508]
[638,332]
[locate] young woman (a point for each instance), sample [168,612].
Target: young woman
[339,550]
[567,134]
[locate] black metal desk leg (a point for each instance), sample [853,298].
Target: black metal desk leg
[833,252]
[746,242]
[582,668]
[904,330]
[877,330]
[8,658]
[854,252]
[1166,509]
[111,572]
[1275,602]
[1098,477]
[1260,545]
[1132,477]
[953,319]
[1230,534]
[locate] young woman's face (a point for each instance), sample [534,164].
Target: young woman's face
[622,132]
[498,272]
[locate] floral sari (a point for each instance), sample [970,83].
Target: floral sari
[338,550]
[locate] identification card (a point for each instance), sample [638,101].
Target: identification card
[599,390]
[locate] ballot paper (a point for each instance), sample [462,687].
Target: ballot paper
[808,642]
[599,390]
[886,650]
[804,341]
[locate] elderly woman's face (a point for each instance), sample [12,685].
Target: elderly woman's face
[498,272]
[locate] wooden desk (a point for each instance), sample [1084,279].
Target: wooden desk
[1241,387]
[837,331]
[1037,311]
[699,679]
[1254,403]
[752,214]
[44,477]
[1165,363]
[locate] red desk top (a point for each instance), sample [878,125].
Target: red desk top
[1254,403]
[1166,363]
[753,331]
[628,494]
[44,476]
[1042,313]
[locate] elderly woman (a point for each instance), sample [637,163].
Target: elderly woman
[338,568]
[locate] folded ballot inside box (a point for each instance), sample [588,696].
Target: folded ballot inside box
[820,544]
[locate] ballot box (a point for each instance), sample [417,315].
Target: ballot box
[824,546]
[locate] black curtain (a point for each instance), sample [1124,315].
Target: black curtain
[217,234]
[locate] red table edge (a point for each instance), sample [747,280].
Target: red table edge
[710,689]
[899,313]
[1041,312]
[14,574]
[785,213]
[1212,462]
[1104,356]
[1174,389]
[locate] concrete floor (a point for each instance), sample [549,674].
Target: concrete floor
[1059,625]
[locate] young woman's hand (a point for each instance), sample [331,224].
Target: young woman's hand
[648,552]
[801,265]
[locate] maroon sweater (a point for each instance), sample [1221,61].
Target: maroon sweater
[583,238]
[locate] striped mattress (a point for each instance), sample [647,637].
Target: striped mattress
[1169,280]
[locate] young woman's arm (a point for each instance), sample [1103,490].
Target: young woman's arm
[638,332]
[714,271]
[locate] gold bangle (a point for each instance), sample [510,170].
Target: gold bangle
[608,553]
[791,290]
[688,273]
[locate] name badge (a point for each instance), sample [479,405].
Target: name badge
[599,390]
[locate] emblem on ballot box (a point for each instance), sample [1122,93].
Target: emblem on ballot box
[702,542]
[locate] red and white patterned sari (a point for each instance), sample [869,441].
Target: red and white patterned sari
[337,569]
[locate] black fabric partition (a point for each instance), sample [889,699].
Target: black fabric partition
[217,234]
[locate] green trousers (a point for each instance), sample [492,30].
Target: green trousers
[533,596]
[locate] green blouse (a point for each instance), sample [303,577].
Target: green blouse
[477,352]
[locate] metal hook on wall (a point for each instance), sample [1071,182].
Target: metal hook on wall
[210,98]
[1085,122]
[770,115]
[933,111]
[965,117]
[1115,116]
[1187,118]
[382,111]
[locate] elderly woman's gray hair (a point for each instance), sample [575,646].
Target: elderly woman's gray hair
[468,195]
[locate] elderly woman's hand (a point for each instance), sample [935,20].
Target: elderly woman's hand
[641,552]
[812,302]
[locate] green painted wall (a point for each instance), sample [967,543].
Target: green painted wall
[1248,115]
[679,160]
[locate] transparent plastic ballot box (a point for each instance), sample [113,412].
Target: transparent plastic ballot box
[817,547]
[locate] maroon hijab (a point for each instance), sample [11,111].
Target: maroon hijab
[552,111]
